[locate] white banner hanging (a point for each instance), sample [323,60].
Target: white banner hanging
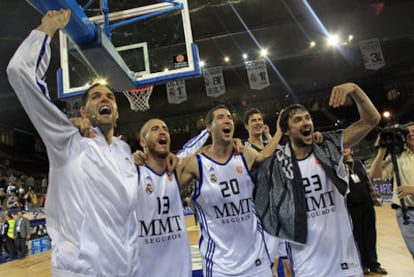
[176,91]
[257,74]
[214,81]
[372,54]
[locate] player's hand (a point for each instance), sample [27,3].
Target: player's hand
[172,162]
[278,128]
[58,18]
[404,190]
[139,157]
[84,126]
[317,137]
[54,20]
[237,146]
[339,94]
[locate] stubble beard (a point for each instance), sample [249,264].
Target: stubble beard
[300,143]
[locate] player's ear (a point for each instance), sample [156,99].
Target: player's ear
[208,128]
[143,143]
[83,112]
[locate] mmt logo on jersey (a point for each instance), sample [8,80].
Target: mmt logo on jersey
[319,201]
[232,212]
[161,229]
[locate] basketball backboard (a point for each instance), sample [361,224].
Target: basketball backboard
[153,43]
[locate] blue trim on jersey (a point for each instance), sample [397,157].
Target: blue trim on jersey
[216,162]
[194,141]
[139,173]
[211,246]
[289,255]
[42,87]
[203,222]
[153,171]
[197,187]
[210,243]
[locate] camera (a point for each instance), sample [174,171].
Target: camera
[393,138]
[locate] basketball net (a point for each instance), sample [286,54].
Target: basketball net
[138,98]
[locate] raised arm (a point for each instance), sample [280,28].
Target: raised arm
[270,148]
[53,21]
[369,116]
[26,72]
[376,166]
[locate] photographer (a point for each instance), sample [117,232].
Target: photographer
[385,169]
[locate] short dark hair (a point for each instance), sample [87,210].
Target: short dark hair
[85,95]
[409,124]
[287,113]
[249,112]
[209,117]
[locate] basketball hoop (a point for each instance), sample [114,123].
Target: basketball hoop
[138,98]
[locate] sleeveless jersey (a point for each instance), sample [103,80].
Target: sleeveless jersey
[231,237]
[164,249]
[330,249]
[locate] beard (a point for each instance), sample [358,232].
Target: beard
[299,142]
[152,148]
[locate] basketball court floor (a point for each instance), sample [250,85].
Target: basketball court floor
[392,252]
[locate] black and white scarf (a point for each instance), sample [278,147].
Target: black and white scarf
[279,194]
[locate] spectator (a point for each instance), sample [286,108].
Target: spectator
[13,201]
[3,235]
[9,230]
[11,186]
[360,201]
[30,197]
[21,234]
[44,185]
[385,169]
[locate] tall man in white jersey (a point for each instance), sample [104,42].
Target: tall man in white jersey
[256,129]
[164,248]
[92,195]
[231,237]
[302,189]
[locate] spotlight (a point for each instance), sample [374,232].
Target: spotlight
[333,40]
[263,52]
[386,115]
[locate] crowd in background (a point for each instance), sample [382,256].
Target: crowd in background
[19,193]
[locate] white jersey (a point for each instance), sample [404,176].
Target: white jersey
[330,249]
[231,237]
[92,195]
[164,249]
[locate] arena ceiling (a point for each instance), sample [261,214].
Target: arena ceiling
[297,72]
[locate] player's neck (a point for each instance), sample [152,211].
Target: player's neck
[256,141]
[348,159]
[220,152]
[301,152]
[108,134]
[158,164]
